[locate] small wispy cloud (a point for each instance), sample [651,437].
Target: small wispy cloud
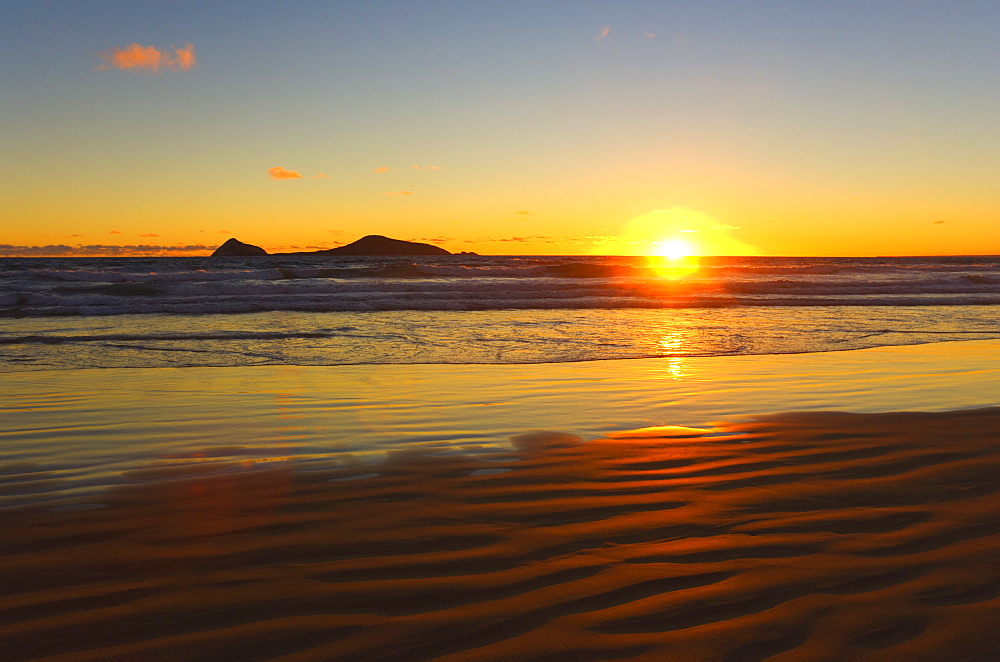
[426,167]
[379,170]
[151,234]
[725,226]
[605,31]
[57,250]
[277,172]
[114,232]
[398,193]
[321,175]
[534,237]
[148,59]
[523,213]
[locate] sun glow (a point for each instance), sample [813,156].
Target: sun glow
[675,249]
[674,258]
[675,233]
[673,267]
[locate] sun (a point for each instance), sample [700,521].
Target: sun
[674,259]
[675,249]
[673,235]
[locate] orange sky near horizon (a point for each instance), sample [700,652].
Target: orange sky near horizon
[786,129]
[818,234]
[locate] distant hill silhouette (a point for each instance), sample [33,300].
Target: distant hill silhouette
[236,248]
[376,244]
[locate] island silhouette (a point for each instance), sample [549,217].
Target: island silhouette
[370,245]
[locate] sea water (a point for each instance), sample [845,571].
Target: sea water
[64,313]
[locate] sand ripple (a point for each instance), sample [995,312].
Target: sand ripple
[809,536]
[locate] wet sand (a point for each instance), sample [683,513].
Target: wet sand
[73,432]
[799,536]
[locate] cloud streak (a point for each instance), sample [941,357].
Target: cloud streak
[537,238]
[277,172]
[62,250]
[148,59]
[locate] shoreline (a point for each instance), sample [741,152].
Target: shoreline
[444,364]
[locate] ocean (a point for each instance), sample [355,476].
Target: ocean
[67,313]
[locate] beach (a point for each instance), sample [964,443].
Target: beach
[499,332]
[820,506]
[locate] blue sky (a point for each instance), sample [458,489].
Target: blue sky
[872,122]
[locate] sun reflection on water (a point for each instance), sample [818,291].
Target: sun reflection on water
[673,267]
[673,343]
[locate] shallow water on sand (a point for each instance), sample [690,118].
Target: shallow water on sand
[74,433]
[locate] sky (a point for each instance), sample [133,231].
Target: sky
[552,127]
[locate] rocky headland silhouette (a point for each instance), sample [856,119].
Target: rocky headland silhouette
[236,248]
[370,245]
